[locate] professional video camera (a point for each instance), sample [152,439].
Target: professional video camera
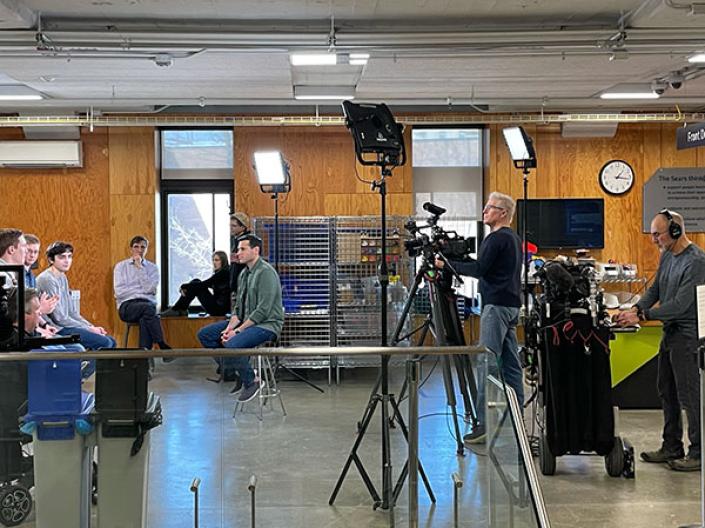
[449,243]
[5,321]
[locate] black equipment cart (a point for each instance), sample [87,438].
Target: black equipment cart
[571,330]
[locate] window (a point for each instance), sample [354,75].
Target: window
[195,204]
[448,172]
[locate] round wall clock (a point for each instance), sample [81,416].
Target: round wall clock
[616,177]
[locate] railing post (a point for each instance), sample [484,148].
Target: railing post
[457,484]
[412,373]
[194,489]
[251,487]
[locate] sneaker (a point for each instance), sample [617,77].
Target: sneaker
[660,456]
[477,436]
[685,464]
[237,387]
[249,392]
[173,313]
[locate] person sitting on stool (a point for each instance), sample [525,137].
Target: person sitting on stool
[135,282]
[216,303]
[258,316]
[54,282]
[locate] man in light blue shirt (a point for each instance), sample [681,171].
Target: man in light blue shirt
[135,281]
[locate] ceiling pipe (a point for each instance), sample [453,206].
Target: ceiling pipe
[293,120]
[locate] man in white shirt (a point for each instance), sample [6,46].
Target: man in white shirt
[135,282]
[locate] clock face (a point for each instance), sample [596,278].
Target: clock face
[616,177]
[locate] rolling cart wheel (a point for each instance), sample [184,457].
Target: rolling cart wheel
[547,460]
[614,462]
[15,505]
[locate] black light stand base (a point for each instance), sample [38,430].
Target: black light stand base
[298,377]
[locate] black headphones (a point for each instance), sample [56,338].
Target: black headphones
[674,229]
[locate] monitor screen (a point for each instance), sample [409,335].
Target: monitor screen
[564,223]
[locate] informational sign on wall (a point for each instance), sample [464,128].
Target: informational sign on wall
[690,136]
[679,189]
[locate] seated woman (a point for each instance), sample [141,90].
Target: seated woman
[215,303]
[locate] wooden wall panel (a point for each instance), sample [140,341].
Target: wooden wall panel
[71,205]
[323,172]
[133,185]
[569,168]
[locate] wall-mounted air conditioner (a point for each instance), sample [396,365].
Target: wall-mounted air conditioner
[38,154]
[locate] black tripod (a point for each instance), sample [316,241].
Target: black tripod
[386,399]
[444,324]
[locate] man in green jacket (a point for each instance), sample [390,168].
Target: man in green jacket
[258,316]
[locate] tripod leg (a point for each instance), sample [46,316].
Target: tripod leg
[450,397]
[405,470]
[464,383]
[374,392]
[424,332]
[371,406]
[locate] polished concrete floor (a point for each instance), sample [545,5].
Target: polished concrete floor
[298,457]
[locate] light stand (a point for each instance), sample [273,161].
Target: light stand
[521,149]
[274,178]
[375,132]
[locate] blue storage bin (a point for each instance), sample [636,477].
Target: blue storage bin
[55,401]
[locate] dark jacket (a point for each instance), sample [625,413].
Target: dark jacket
[219,282]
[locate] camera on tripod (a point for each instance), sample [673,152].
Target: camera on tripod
[438,240]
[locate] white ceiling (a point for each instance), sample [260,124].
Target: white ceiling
[502,55]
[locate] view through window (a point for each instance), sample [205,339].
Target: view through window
[197,194]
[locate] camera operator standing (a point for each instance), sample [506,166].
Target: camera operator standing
[498,267]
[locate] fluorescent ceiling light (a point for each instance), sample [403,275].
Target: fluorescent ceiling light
[313,59]
[338,93]
[270,167]
[630,91]
[18,92]
[358,59]
[699,57]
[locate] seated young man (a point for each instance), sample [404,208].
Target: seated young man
[13,248]
[53,281]
[258,315]
[46,303]
[135,282]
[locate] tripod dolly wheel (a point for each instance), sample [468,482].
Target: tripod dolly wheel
[15,505]
[614,461]
[547,460]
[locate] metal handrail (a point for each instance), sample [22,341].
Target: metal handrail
[525,450]
[131,353]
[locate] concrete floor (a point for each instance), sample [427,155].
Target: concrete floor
[298,458]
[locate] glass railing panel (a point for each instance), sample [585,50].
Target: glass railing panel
[515,498]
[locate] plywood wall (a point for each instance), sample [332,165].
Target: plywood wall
[323,173]
[71,205]
[570,167]
[97,208]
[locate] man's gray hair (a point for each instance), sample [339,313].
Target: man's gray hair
[506,202]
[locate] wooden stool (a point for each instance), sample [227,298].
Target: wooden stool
[128,326]
[264,375]
[126,340]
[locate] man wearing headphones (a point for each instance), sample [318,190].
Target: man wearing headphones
[681,268]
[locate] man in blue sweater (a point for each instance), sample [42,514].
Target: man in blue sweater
[681,268]
[498,266]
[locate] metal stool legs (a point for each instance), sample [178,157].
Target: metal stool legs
[268,390]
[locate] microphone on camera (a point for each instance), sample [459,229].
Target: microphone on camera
[559,276]
[433,208]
